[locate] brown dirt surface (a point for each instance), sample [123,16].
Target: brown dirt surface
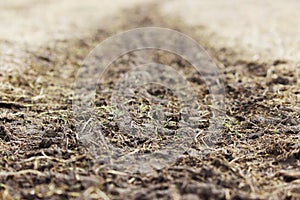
[42,158]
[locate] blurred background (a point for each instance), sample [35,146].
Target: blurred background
[263,28]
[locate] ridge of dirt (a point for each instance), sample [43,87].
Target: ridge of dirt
[42,158]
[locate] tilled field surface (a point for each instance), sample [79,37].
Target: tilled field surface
[42,158]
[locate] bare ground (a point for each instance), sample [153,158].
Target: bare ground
[42,158]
